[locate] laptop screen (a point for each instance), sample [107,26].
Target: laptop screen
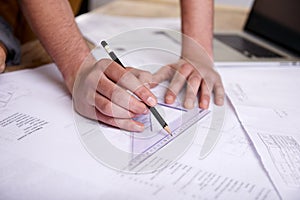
[277,21]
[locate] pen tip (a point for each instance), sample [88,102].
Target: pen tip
[168,130]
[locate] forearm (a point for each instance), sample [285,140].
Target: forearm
[54,24]
[197,22]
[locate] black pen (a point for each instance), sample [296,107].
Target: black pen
[152,109]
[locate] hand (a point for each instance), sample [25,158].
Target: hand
[2,57]
[99,93]
[199,77]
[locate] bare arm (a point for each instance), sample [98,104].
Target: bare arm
[197,21]
[98,92]
[54,24]
[195,68]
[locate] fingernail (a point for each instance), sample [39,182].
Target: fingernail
[169,99]
[146,111]
[189,103]
[220,101]
[151,101]
[138,127]
[204,103]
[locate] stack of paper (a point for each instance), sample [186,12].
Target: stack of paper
[50,162]
[42,156]
[267,102]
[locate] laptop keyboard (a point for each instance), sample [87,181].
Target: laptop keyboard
[246,47]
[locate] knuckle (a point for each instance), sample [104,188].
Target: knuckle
[106,119]
[169,69]
[205,96]
[219,86]
[217,76]
[195,78]
[111,121]
[105,107]
[219,91]
[101,65]
[142,92]
[136,106]
[144,75]
[191,94]
[185,68]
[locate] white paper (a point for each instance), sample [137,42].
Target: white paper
[231,171]
[267,101]
[97,27]
[25,179]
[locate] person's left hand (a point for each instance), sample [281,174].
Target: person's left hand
[197,77]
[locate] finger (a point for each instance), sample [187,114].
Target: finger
[110,109]
[126,124]
[143,76]
[93,113]
[192,89]
[127,80]
[163,74]
[119,96]
[177,82]
[219,92]
[205,92]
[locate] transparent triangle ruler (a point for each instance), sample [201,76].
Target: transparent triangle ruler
[148,147]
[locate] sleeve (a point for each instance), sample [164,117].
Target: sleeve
[11,43]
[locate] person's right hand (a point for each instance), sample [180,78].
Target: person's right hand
[2,57]
[101,93]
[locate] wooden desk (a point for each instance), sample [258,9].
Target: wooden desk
[226,18]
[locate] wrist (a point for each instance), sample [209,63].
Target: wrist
[197,41]
[72,70]
[195,53]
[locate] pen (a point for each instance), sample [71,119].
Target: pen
[152,109]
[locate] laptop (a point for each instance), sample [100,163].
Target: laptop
[271,33]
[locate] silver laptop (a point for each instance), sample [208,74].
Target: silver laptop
[271,33]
